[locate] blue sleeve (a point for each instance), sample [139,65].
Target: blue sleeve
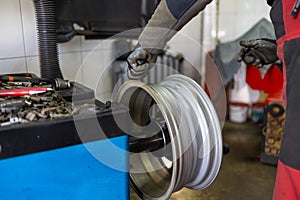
[179,7]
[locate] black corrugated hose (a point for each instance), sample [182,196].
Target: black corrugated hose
[46,26]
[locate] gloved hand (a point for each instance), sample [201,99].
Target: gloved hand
[140,61]
[258,52]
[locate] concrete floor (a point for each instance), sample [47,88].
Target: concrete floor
[242,175]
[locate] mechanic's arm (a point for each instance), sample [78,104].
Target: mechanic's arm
[169,17]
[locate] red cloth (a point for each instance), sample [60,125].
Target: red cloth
[287,185]
[271,83]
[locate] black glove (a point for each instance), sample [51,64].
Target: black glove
[258,52]
[140,61]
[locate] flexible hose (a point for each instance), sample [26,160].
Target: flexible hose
[46,26]
[195,134]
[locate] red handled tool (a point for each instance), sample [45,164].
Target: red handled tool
[57,83]
[24,91]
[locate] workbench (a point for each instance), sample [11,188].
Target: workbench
[50,160]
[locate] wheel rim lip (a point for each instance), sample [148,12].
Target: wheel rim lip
[175,151]
[175,164]
[217,137]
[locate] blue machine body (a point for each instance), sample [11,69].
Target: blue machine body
[70,172]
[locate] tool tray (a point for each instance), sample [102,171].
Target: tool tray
[30,127]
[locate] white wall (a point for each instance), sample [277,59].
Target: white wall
[18,39]
[19,48]
[236,17]
[187,41]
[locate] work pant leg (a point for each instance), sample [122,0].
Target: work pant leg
[287,28]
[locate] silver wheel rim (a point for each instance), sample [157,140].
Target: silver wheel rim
[195,135]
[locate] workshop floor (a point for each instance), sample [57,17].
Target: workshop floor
[242,176]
